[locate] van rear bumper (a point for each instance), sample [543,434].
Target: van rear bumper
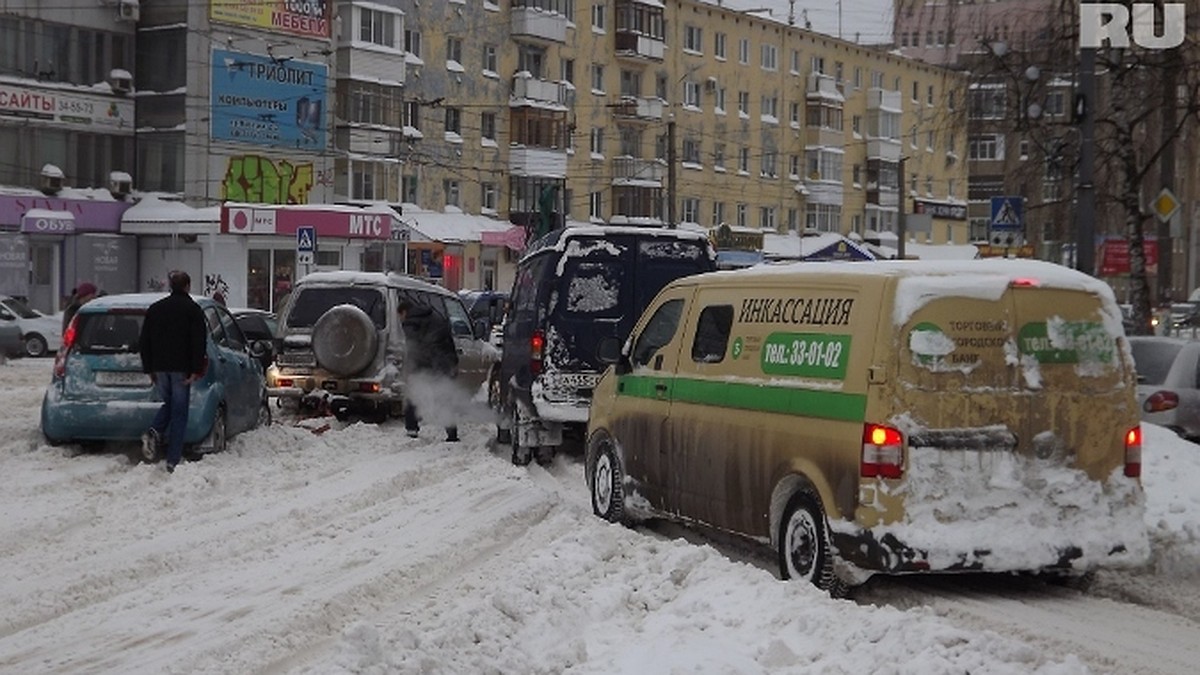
[888,554]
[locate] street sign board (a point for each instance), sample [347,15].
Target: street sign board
[1008,214]
[1166,205]
[306,244]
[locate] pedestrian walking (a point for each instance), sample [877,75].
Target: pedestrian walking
[79,297]
[429,353]
[173,343]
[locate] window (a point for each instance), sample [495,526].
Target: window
[744,103]
[451,189]
[916,88]
[719,46]
[631,83]
[487,126]
[929,95]
[794,114]
[659,331]
[794,166]
[744,51]
[770,107]
[412,114]
[857,77]
[824,217]
[839,70]
[691,94]
[1056,103]
[824,164]
[985,147]
[454,121]
[489,58]
[719,105]
[595,204]
[766,217]
[818,64]
[719,157]
[412,42]
[567,70]
[744,160]
[487,196]
[693,39]
[1023,150]
[377,27]
[856,174]
[876,79]
[454,50]
[718,213]
[767,170]
[929,140]
[712,334]
[929,185]
[825,116]
[904,39]
[795,62]
[630,139]
[793,222]
[597,141]
[988,102]
[741,215]
[856,125]
[598,16]
[690,210]
[532,58]
[770,57]
[597,78]
[691,151]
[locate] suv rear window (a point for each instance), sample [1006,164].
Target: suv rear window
[109,333]
[1153,359]
[310,303]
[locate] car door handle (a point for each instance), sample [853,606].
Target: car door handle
[661,388]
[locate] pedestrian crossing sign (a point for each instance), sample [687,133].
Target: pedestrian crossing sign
[1008,214]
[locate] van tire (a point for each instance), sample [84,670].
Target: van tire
[805,551]
[344,340]
[607,483]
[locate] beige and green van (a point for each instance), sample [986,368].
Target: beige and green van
[892,417]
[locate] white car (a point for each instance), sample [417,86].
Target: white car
[1168,382]
[40,334]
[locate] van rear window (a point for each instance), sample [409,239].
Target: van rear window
[594,287]
[1153,359]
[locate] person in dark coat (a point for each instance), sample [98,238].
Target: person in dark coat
[79,297]
[429,351]
[173,347]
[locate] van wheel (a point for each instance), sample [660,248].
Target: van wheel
[804,544]
[35,345]
[520,456]
[608,484]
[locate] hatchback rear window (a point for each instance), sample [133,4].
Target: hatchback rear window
[1153,360]
[310,303]
[109,333]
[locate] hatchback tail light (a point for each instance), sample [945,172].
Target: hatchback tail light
[1133,452]
[1161,401]
[882,452]
[68,341]
[537,344]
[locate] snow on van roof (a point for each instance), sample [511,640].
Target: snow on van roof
[923,280]
[347,278]
[558,239]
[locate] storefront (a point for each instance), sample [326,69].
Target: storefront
[64,241]
[461,251]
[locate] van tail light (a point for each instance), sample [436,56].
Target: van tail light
[537,343]
[882,452]
[68,341]
[1161,401]
[1025,282]
[1133,452]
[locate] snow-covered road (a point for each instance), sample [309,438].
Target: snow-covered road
[361,550]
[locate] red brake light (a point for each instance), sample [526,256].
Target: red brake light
[1133,452]
[1160,401]
[537,342]
[882,452]
[68,341]
[1025,281]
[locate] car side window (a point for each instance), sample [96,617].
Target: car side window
[460,321]
[233,333]
[658,332]
[712,334]
[214,325]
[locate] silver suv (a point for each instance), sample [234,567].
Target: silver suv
[342,346]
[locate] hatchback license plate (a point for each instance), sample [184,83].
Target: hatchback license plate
[122,378]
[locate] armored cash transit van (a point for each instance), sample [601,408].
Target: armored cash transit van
[892,417]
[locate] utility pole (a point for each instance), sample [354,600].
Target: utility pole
[1166,279]
[1085,211]
[671,183]
[901,219]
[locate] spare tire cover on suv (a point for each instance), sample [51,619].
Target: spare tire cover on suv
[344,340]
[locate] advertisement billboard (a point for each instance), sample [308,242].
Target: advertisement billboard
[303,18]
[269,102]
[93,112]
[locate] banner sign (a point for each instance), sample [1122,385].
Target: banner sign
[1114,256]
[66,109]
[263,101]
[940,209]
[341,223]
[303,18]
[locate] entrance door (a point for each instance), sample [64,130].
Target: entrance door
[43,277]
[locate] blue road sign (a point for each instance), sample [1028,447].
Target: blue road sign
[1008,214]
[306,239]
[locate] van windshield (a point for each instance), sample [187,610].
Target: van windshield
[310,303]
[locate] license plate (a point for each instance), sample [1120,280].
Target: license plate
[122,378]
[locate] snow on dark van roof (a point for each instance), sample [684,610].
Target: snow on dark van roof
[348,278]
[557,239]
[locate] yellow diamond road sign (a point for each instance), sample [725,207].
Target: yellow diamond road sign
[1165,205]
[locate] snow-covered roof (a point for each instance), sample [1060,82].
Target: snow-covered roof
[154,215]
[451,228]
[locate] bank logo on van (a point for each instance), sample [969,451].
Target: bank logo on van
[817,355]
[1073,342]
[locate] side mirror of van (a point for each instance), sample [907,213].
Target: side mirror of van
[608,352]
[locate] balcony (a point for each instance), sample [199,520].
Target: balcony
[532,22]
[638,46]
[533,161]
[527,88]
[883,148]
[639,108]
[821,86]
[635,171]
[883,99]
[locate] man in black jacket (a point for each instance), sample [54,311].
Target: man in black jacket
[429,352]
[173,345]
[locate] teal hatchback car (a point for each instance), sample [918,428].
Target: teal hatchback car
[99,393]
